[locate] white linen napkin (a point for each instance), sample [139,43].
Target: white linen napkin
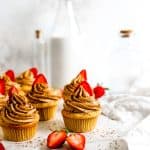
[139,137]
[125,108]
[133,113]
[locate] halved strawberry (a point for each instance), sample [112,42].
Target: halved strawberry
[10,73]
[56,139]
[40,79]
[87,87]
[99,91]
[12,90]
[2,86]
[76,141]
[83,74]
[34,70]
[2,146]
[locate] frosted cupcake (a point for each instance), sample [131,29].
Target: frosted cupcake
[81,110]
[43,98]
[19,119]
[71,87]
[9,83]
[26,79]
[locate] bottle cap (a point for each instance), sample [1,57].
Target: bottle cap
[125,33]
[37,33]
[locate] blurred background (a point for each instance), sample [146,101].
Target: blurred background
[122,64]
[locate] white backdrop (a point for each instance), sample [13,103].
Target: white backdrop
[100,22]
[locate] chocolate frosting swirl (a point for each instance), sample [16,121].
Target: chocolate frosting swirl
[81,102]
[3,100]
[26,78]
[70,88]
[40,93]
[19,111]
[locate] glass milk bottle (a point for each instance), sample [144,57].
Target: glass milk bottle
[39,52]
[124,63]
[63,32]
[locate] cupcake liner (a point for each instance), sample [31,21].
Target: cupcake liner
[18,134]
[47,113]
[77,123]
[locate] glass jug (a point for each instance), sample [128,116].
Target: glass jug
[124,63]
[63,32]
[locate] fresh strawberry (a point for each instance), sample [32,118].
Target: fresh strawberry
[34,71]
[76,141]
[56,139]
[87,87]
[83,74]
[10,73]
[2,146]
[40,79]
[12,90]
[99,91]
[2,86]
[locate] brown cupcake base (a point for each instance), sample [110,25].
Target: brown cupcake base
[46,110]
[47,113]
[80,122]
[21,132]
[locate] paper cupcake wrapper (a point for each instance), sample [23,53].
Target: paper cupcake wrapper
[19,134]
[80,125]
[47,113]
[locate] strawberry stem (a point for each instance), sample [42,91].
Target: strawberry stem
[67,130]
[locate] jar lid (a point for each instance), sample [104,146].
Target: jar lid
[125,33]
[37,33]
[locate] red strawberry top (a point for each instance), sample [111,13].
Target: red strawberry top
[12,90]
[99,91]
[87,87]
[82,76]
[10,73]
[40,78]
[2,86]
[34,70]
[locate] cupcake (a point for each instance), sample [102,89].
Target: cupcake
[43,98]
[81,110]
[8,78]
[19,119]
[26,79]
[71,87]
